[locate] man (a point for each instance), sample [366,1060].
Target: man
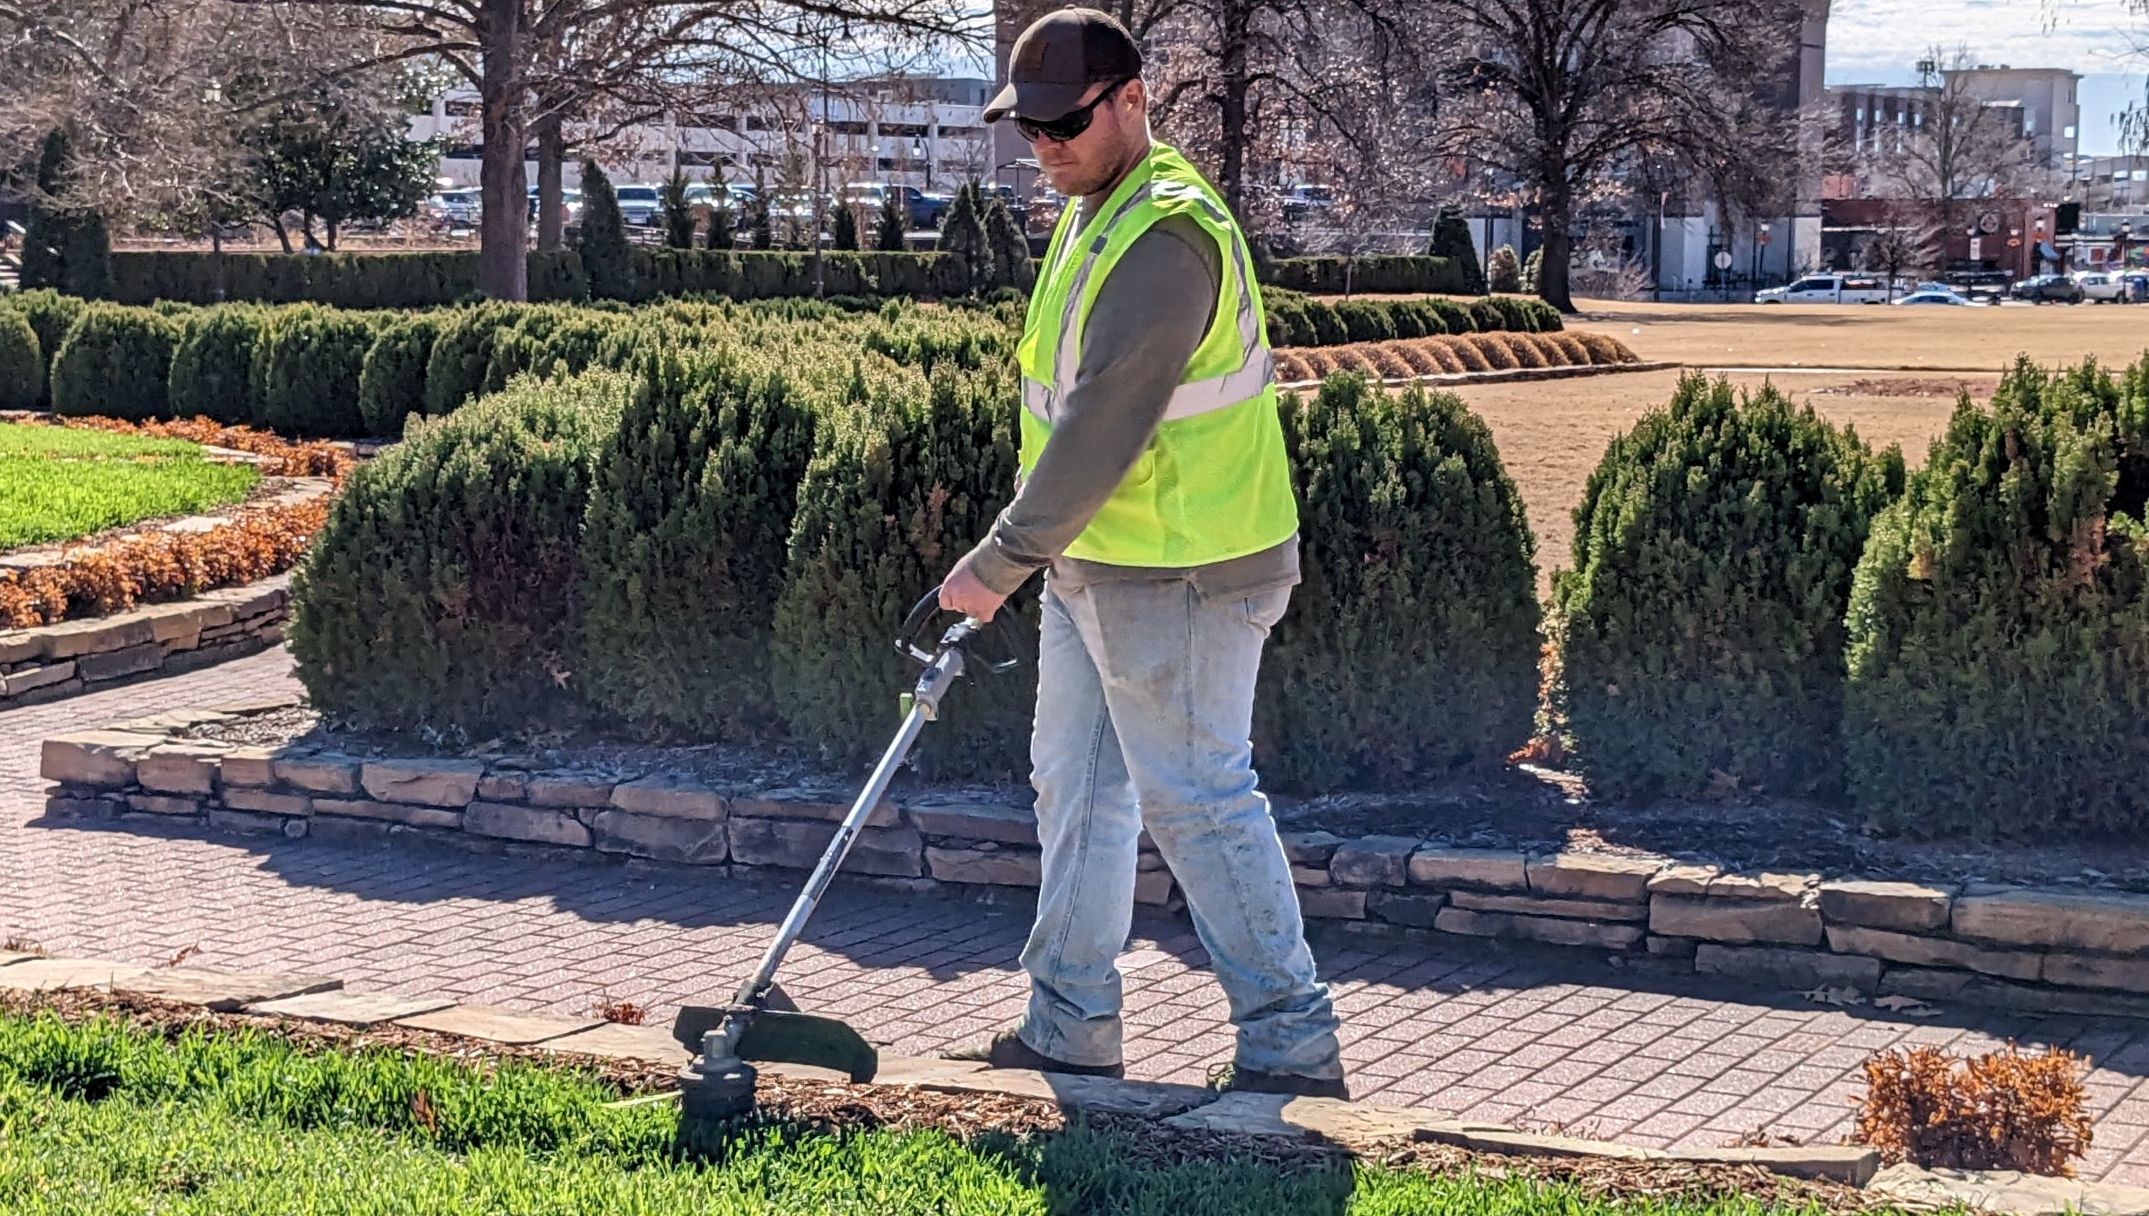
[1156,493]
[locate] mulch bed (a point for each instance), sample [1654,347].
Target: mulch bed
[835,1105]
[1527,806]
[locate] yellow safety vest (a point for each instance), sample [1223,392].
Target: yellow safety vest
[1215,482]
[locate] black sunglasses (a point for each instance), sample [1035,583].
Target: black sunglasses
[1070,125]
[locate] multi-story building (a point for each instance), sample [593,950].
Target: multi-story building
[914,131]
[2109,183]
[2051,113]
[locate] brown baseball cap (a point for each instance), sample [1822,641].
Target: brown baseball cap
[1058,58]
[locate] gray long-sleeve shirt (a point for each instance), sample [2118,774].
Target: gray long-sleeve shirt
[1149,317]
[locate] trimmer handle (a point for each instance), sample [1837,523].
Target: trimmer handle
[961,635]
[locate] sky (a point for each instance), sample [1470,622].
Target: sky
[1881,41]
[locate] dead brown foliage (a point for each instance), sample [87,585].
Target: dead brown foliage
[287,459]
[624,1013]
[1572,352]
[1605,349]
[1418,357]
[1467,353]
[2001,1110]
[1527,350]
[258,543]
[1492,348]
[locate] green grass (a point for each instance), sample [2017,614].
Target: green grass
[58,483]
[98,1118]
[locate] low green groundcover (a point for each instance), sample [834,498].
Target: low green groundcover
[97,1116]
[58,483]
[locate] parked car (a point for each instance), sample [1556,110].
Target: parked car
[2049,289]
[570,205]
[1827,289]
[642,206]
[2098,287]
[1942,296]
[456,208]
[1303,201]
[1987,285]
[920,210]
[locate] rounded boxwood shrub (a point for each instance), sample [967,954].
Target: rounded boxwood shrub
[50,315]
[689,519]
[455,368]
[1288,324]
[1454,318]
[906,476]
[22,364]
[115,361]
[1327,323]
[212,367]
[548,341]
[1701,628]
[391,381]
[307,365]
[1999,623]
[1366,321]
[442,596]
[1411,645]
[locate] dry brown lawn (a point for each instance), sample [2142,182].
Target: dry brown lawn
[1552,433]
[1870,335]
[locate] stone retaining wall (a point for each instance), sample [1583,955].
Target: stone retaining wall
[2061,949]
[53,661]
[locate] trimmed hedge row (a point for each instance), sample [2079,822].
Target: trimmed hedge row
[1398,274]
[433,279]
[437,277]
[1296,320]
[770,496]
[309,371]
[346,280]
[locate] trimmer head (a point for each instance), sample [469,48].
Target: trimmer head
[719,1083]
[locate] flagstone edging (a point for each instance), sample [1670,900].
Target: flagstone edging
[49,662]
[2071,950]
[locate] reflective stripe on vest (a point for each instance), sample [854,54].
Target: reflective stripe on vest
[1195,397]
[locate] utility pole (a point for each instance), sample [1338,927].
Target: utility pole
[820,176]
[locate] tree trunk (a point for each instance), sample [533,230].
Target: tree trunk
[551,157]
[1553,215]
[329,226]
[283,234]
[1231,94]
[503,183]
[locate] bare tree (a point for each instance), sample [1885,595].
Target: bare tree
[157,94]
[495,46]
[1568,96]
[1900,241]
[1959,151]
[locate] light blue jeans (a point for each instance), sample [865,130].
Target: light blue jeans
[1144,711]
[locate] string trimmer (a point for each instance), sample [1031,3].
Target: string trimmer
[761,1023]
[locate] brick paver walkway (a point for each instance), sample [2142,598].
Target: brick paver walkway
[1498,1036]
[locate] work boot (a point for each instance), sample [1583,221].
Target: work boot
[1005,1049]
[1231,1078]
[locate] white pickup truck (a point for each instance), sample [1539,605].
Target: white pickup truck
[1827,289]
